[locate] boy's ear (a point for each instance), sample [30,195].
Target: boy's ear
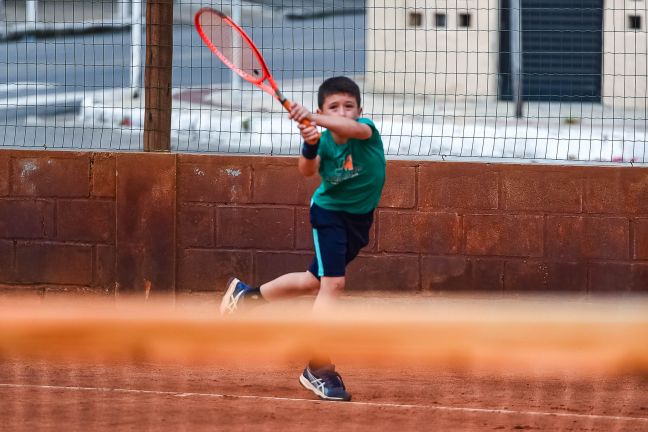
[318,111]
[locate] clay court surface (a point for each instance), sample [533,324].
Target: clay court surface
[99,397]
[119,378]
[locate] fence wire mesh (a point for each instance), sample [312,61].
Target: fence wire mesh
[438,76]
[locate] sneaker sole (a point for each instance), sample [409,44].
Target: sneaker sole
[308,386]
[231,286]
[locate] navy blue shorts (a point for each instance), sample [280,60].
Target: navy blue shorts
[338,237]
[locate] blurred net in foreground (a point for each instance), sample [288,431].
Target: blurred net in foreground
[446,364]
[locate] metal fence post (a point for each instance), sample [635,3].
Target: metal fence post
[123,11]
[3,20]
[157,75]
[31,12]
[136,48]
[516,56]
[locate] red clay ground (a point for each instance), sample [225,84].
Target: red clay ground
[37,396]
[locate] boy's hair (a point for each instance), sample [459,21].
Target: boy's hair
[336,85]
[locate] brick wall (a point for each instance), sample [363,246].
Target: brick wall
[57,220]
[184,223]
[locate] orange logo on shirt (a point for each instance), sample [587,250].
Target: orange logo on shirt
[348,163]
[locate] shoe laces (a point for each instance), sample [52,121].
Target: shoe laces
[329,376]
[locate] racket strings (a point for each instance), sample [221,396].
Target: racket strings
[232,47]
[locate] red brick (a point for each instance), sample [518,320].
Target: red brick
[303,229]
[6,261]
[488,275]
[541,189]
[130,268]
[446,274]
[209,270]
[640,239]
[4,175]
[616,190]
[523,275]
[72,291]
[577,237]
[457,186]
[281,184]
[215,180]
[259,228]
[504,235]
[610,277]
[51,176]
[146,222]
[196,225]
[85,220]
[397,273]
[270,265]
[432,233]
[640,278]
[31,292]
[54,263]
[567,276]
[26,219]
[104,276]
[400,186]
[103,175]
[372,246]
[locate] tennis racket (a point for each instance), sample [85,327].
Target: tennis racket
[235,48]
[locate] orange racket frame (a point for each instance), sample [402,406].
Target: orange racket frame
[265,82]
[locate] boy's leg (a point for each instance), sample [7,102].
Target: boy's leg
[329,240]
[238,294]
[331,289]
[320,376]
[290,285]
[338,239]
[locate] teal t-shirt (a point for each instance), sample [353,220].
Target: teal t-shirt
[353,174]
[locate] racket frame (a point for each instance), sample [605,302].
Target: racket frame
[271,88]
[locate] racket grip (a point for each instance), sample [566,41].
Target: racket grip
[287,104]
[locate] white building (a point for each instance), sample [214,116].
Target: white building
[573,50]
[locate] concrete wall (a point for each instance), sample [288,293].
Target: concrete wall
[455,62]
[625,55]
[102,222]
[436,61]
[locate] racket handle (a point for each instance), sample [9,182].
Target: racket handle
[287,104]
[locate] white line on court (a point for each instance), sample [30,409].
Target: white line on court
[369,404]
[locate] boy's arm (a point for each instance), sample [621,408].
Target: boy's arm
[309,161]
[343,126]
[308,167]
[338,125]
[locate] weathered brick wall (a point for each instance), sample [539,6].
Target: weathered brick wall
[57,220]
[187,222]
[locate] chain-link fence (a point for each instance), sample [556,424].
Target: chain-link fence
[549,80]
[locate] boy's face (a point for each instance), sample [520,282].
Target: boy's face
[342,105]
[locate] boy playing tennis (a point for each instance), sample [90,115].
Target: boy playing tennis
[350,159]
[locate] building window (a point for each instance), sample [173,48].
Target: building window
[464,20]
[440,19]
[415,19]
[634,22]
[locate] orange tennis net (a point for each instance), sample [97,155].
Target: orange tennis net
[534,362]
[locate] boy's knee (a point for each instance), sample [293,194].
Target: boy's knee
[310,282]
[333,285]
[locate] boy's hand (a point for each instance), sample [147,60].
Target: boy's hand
[309,133]
[299,113]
